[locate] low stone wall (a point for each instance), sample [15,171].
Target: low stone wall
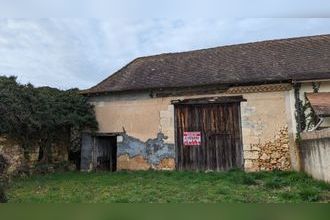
[315,154]
[19,161]
[14,157]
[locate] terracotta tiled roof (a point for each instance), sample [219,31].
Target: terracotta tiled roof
[302,58]
[320,103]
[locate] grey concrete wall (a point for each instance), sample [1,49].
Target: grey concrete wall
[315,154]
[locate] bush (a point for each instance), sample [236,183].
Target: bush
[249,180]
[275,183]
[309,194]
[288,195]
[43,116]
[3,179]
[43,168]
[3,165]
[3,198]
[240,177]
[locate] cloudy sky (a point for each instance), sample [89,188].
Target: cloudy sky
[82,49]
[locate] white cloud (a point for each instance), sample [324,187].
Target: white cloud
[81,52]
[175,9]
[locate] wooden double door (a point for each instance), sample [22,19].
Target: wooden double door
[208,136]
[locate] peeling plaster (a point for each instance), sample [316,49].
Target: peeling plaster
[153,150]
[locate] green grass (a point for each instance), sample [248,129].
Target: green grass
[173,187]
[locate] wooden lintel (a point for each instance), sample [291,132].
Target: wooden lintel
[100,134]
[209,100]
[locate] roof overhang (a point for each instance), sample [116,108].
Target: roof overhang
[320,103]
[311,80]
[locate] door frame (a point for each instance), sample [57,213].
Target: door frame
[104,135]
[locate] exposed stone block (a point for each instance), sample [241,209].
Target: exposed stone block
[265,156]
[251,166]
[166,164]
[124,162]
[251,154]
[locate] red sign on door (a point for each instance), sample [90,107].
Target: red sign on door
[192,138]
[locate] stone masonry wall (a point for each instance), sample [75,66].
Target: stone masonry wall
[14,156]
[272,155]
[20,161]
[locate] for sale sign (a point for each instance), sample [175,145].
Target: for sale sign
[192,138]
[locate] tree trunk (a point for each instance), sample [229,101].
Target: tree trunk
[45,154]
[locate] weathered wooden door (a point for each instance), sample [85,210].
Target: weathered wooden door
[106,153]
[219,125]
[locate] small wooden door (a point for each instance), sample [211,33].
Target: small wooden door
[219,126]
[106,153]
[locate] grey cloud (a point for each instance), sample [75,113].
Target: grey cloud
[81,52]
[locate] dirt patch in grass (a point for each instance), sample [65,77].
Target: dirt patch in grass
[169,187]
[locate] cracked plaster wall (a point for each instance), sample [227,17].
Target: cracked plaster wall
[264,116]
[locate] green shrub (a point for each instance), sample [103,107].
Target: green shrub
[3,184]
[43,168]
[275,183]
[309,194]
[3,198]
[259,175]
[43,116]
[288,195]
[224,190]
[240,177]
[249,180]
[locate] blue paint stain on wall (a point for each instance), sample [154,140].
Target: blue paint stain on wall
[153,150]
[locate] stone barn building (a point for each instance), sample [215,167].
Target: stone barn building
[240,106]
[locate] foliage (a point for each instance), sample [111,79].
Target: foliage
[43,115]
[3,179]
[300,111]
[311,117]
[169,187]
[275,183]
[309,194]
[305,115]
[3,198]
[316,86]
[3,165]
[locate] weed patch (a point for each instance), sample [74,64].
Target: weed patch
[309,194]
[275,183]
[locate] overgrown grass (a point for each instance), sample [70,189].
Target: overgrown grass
[174,187]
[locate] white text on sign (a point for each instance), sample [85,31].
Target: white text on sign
[192,138]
